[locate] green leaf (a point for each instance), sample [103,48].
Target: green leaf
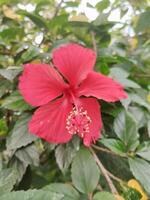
[101,19]
[104,69]
[20,135]
[131,194]
[126,129]
[22,158]
[66,152]
[8,1]
[32,194]
[8,179]
[140,169]
[139,98]
[31,53]
[148,127]
[3,127]
[67,190]
[64,155]
[115,145]
[121,76]
[60,19]
[11,34]
[139,115]
[85,173]
[103,196]
[102,5]
[144,150]
[5,86]
[9,74]
[28,155]
[143,22]
[36,19]
[19,166]
[71,4]
[15,102]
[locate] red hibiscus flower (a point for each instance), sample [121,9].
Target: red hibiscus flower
[67,95]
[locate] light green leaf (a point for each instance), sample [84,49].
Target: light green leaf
[8,179]
[103,196]
[71,4]
[101,19]
[148,127]
[143,22]
[15,102]
[139,115]
[9,74]
[115,145]
[139,98]
[31,53]
[85,173]
[102,5]
[67,190]
[20,135]
[121,76]
[32,194]
[144,150]
[126,129]
[141,171]
[3,127]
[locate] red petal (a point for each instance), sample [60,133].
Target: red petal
[40,83]
[92,107]
[74,62]
[101,87]
[49,121]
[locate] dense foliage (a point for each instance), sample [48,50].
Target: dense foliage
[29,30]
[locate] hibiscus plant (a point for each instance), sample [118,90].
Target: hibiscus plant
[75,100]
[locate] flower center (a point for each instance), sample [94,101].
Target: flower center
[78,122]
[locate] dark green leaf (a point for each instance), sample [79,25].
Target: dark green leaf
[20,135]
[19,166]
[28,155]
[5,86]
[36,19]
